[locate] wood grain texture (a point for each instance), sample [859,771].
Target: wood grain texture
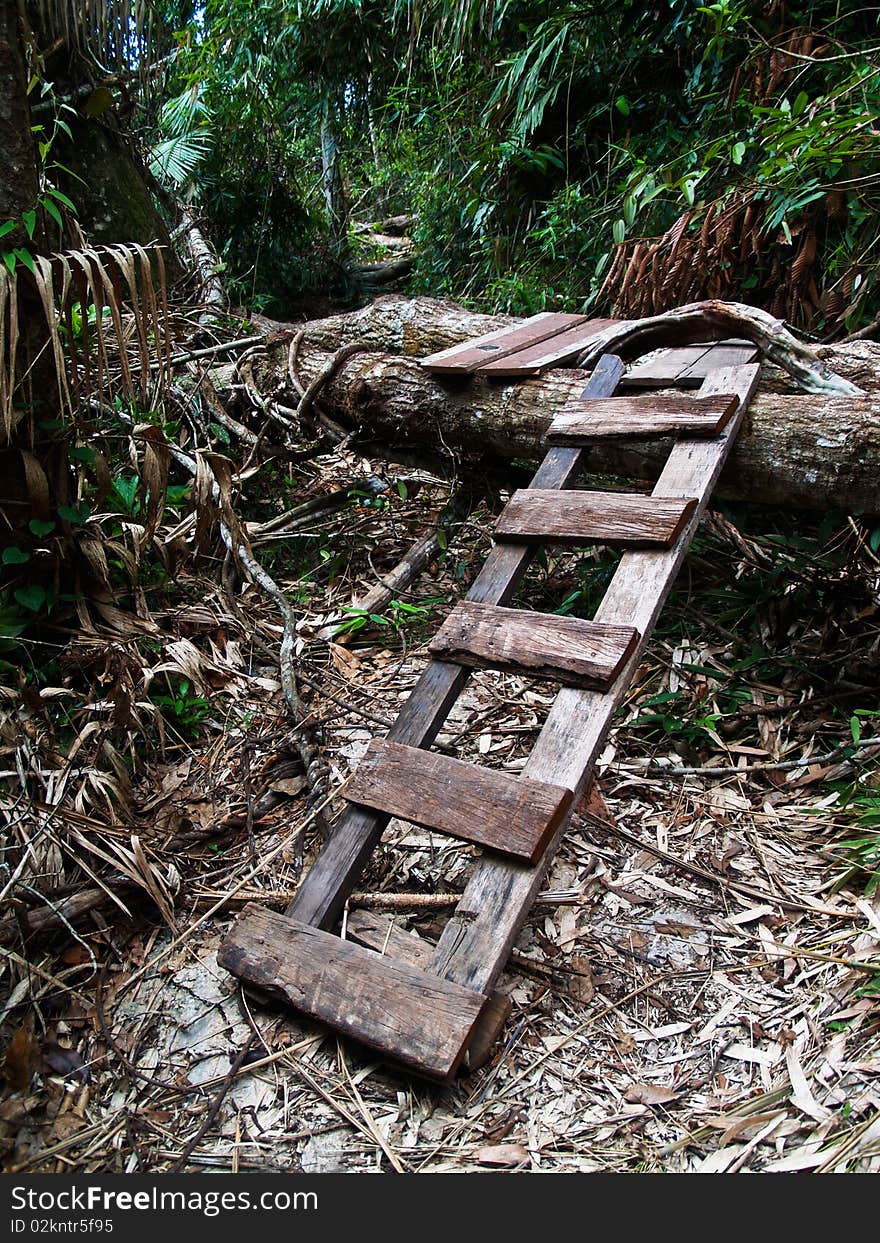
[470,355]
[381,934]
[334,874]
[725,354]
[688,365]
[621,417]
[628,519]
[566,649]
[405,1013]
[554,352]
[478,937]
[492,809]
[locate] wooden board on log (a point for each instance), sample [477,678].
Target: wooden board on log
[623,417]
[566,649]
[322,893]
[466,358]
[480,805]
[408,1014]
[626,519]
[478,938]
[554,352]
[688,365]
[380,933]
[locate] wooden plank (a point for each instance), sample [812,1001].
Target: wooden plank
[480,934]
[689,365]
[380,933]
[466,357]
[725,354]
[563,348]
[334,874]
[566,649]
[401,1010]
[480,805]
[625,417]
[665,367]
[630,519]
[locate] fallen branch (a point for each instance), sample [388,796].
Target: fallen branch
[715,320]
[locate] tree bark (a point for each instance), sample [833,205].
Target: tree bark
[795,449]
[19,183]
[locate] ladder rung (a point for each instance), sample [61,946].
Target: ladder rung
[508,814]
[410,1015]
[641,416]
[379,932]
[566,649]
[629,519]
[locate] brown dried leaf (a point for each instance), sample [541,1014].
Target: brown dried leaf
[649,1094]
[21,1060]
[501,1154]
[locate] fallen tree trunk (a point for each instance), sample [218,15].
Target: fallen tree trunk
[796,449]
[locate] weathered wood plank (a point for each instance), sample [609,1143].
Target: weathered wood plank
[554,352]
[409,1015]
[665,367]
[331,878]
[380,933]
[481,805]
[469,355]
[688,366]
[630,519]
[624,417]
[479,936]
[566,649]
[725,354]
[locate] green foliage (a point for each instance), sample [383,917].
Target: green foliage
[182,708]
[532,143]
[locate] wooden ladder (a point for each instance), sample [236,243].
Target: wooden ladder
[429,1007]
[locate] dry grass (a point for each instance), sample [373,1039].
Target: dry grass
[695,989]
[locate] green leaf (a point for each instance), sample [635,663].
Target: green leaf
[855,726]
[622,105]
[75,514]
[25,257]
[218,430]
[9,258]
[738,152]
[32,598]
[618,231]
[442,541]
[13,555]
[41,526]
[53,211]
[82,453]
[99,101]
[62,198]
[29,218]
[6,227]
[402,490]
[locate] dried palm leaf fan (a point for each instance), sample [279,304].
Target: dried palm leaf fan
[117,294]
[115,35]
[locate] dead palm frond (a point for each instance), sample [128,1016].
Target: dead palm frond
[115,35]
[105,316]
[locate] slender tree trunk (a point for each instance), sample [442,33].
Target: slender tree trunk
[331,177]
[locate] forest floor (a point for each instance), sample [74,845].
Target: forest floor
[689,993]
